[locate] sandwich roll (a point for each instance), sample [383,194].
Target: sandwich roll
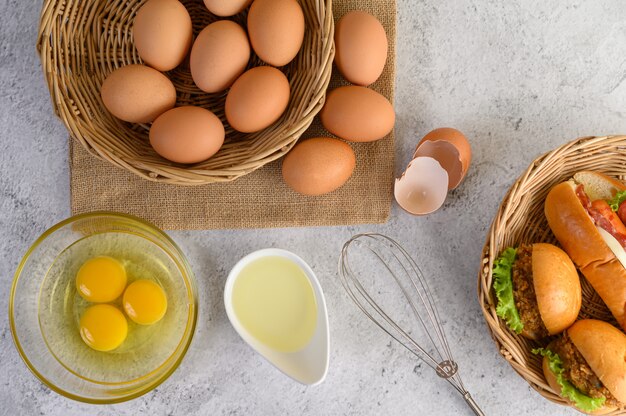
[592,235]
[556,387]
[604,348]
[587,366]
[538,290]
[557,287]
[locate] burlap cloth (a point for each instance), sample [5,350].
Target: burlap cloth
[260,199]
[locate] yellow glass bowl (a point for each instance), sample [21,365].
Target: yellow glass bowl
[50,344]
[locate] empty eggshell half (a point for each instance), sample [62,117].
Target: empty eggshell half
[451,149]
[448,157]
[423,186]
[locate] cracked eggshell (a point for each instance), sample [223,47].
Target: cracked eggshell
[423,186]
[451,149]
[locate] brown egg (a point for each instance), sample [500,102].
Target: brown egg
[187,134]
[361,47]
[226,7]
[451,149]
[162,33]
[357,114]
[257,99]
[219,55]
[318,166]
[276,29]
[137,93]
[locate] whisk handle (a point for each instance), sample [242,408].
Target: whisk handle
[473,405]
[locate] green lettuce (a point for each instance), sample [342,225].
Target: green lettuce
[615,202]
[503,286]
[568,390]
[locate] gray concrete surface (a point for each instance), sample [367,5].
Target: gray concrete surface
[519,78]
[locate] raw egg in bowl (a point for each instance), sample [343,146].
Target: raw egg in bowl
[103,307]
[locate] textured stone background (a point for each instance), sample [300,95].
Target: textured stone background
[519,78]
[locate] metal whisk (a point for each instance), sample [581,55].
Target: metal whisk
[375,257]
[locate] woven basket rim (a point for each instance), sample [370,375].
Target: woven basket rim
[513,352]
[277,139]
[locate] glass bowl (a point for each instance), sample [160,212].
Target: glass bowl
[44,309]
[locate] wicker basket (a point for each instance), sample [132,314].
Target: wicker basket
[81,41]
[520,219]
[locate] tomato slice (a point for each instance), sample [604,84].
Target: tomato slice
[603,216]
[603,208]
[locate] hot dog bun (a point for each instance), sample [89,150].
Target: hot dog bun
[581,240]
[598,185]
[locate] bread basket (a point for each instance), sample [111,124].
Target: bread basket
[520,219]
[81,41]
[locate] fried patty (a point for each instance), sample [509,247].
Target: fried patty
[578,372]
[524,293]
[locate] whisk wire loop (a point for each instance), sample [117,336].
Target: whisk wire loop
[413,307]
[408,277]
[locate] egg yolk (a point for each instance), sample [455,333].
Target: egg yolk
[101,279]
[144,302]
[103,327]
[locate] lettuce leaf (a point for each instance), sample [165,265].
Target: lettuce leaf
[568,390]
[615,202]
[503,286]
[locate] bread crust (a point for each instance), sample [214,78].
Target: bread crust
[550,376]
[557,287]
[581,240]
[604,348]
[598,185]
